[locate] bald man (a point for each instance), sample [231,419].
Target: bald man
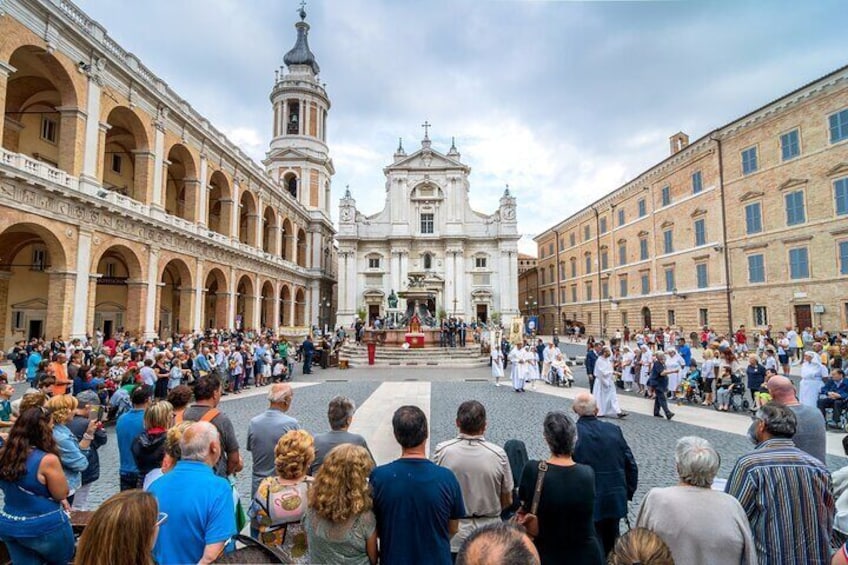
[501,543]
[267,428]
[810,434]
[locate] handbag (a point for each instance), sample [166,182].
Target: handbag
[530,520]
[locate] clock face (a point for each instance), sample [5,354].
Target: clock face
[347,214]
[509,213]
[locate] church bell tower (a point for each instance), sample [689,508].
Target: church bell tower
[298,157]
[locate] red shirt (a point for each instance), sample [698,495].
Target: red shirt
[741,337]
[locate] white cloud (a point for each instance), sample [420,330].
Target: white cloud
[564,101]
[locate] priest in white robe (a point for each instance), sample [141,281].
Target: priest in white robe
[516,361]
[604,389]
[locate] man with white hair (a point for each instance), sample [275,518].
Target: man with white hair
[266,429]
[604,386]
[602,446]
[196,513]
[720,534]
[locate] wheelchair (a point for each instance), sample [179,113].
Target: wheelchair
[566,380]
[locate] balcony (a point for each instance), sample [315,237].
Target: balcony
[32,171]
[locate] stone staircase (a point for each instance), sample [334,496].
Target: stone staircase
[466,358]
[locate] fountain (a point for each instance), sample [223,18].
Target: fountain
[416,326]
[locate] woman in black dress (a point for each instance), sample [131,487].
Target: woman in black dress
[566,505]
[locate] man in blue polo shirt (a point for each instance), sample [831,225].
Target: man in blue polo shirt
[417,503]
[129,426]
[199,504]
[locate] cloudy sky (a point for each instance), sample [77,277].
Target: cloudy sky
[563,101]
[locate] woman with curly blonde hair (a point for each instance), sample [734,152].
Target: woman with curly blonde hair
[280,502]
[340,526]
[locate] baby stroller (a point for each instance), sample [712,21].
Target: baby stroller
[691,389]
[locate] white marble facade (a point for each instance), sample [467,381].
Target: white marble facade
[469,259]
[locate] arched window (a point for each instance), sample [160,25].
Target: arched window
[428,261]
[290,181]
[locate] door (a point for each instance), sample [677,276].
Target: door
[36,329]
[483,313]
[646,317]
[803,316]
[107,329]
[373,312]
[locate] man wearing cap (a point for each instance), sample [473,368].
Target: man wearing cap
[86,401]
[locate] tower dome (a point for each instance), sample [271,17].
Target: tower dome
[300,53]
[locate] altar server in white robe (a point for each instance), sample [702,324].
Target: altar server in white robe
[551,352]
[497,364]
[812,372]
[627,358]
[516,360]
[604,389]
[532,364]
[646,360]
[673,364]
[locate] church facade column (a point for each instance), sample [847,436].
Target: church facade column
[231,305]
[257,303]
[152,293]
[235,214]
[203,193]
[156,198]
[198,296]
[274,323]
[461,286]
[79,324]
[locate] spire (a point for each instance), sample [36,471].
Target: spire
[400,146]
[453,152]
[300,53]
[347,191]
[506,191]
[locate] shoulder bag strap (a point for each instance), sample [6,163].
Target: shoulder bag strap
[537,493]
[210,415]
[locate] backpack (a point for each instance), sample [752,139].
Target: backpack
[210,415]
[516,453]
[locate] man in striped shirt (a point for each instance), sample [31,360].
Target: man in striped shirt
[785,492]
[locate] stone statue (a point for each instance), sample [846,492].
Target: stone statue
[393,299]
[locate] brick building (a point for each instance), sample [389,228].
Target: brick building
[122,207]
[746,225]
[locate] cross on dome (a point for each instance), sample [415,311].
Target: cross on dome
[426,125]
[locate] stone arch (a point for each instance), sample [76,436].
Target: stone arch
[247,218]
[220,207]
[117,297]
[301,247]
[270,231]
[215,299]
[176,298]
[181,184]
[35,287]
[285,306]
[40,117]
[126,156]
[288,240]
[244,302]
[300,308]
[266,311]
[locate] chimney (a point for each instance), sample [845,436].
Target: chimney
[678,141]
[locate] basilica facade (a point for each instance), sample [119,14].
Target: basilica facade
[123,208]
[428,239]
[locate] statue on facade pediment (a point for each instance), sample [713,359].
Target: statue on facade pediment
[393,299]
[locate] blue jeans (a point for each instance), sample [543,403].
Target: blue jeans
[53,547]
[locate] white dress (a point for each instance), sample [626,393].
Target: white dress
[673,364]
[528,362]
[516,373]
[645,371]
[811,383]
[497,363]
[604,388]
[627,367]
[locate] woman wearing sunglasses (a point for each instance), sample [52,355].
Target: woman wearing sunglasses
[122,530]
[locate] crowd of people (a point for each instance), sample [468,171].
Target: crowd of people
[321,498]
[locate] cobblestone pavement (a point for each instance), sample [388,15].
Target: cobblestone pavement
[510,415]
